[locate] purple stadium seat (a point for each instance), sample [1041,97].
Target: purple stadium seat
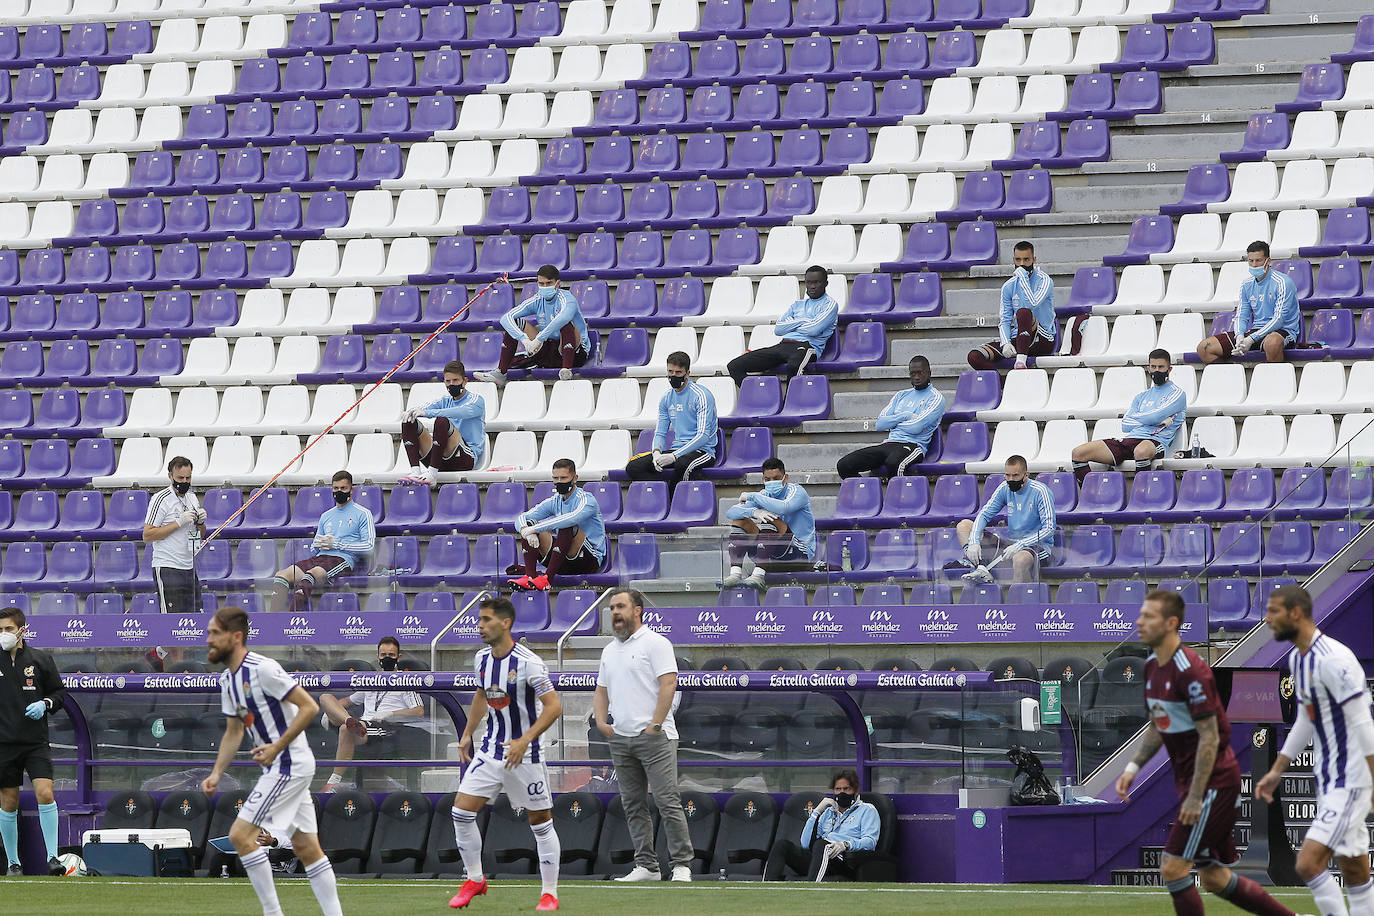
[1332,537]
[954,499]
[1320,82]
[1301,494]
[1092,96]
[1250,496]
[1265,131]
[1237,548]
[1028,191]
[664,107]
[981,191]
[26,128]
[1288,548]
[749,447]
[1086,140]
[1149,235]
[834,596]
[1090,548]
[1346,232]
[844,147]
[1187,10]
[1102,496]
[862,344]
[1145,47]
[1338,279]
[1136,94]
[1300,272]
[1333,328]
[77,312]
[1204,184]
[859,502]
[1189,549]
[1228,602]
[1077,593]
[617,108]
[1363,46]
[22,359]
[37,513]
[69,565]
[759,400]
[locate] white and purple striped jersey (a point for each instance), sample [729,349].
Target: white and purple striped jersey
[255,694]
[512,684]
[1330,684]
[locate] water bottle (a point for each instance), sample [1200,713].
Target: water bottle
[721,876]
[846,563]
[1196,450]
[224,871]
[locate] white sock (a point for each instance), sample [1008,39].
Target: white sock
[469,842]
[1328,895]
[260,874]
[325,886]
[758,572]
[1362,899]
[736,571]
[550,853]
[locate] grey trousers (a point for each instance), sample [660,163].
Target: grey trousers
[644,763]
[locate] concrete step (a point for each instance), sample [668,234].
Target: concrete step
[1262,46]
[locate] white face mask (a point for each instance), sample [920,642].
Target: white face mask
[8,641]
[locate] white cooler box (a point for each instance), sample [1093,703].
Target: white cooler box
[138,852]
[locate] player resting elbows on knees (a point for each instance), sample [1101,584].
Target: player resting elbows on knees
[1150,426]
[1031,522]
[775,526]
[558,318]
[344,536]
[565,532]
[460,431]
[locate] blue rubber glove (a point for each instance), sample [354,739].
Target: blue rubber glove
[36,709]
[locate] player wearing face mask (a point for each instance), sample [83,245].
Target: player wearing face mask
[380,709]
[688,411]
[1031,521]
[910,419]
[774,526]
[344,537]
[30,692]
[1148,429]
[459,435]
[1267,313]
[550,324]
[839,835]
[564,532]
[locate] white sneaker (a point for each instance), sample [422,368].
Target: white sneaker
[496,377]
[682,873]
[564,374]
[416,475]
[640,873]
[755,580]
[332,783]
[1020,361]
[732,579]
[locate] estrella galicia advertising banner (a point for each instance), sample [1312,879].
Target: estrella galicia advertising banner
[898,624]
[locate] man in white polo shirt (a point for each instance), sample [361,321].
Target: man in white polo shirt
[637,685]
[384,713]
[174,525]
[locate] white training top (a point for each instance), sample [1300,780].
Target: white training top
[513,684]
[173,551]
[256,695]
[1330,685]
[385,701]
[630,671]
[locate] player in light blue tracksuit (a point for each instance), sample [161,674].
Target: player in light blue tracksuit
[564,532]
[558,317]
[1149,428]
[344,538]
[1029,507]
[910,420]
[1267,313]
[460,431]
[688,411]
[1027,325]
[776,525]
[803,331]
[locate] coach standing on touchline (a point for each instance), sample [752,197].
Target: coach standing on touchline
[636,684]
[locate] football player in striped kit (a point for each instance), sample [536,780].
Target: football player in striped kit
[257,696]
[1330,684]
[516,700]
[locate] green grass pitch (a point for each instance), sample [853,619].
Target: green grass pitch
[214,897]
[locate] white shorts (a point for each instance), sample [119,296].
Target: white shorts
[527,785]
[1339,824]
[281,805]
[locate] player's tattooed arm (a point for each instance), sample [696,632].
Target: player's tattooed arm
[1151,743]
[1208,743]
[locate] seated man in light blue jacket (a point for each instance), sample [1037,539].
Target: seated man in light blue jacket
[803,331]
[1148,429]
[775,526]
[564,532]
[910,420]
[843,823]
[551,326]
[1031,521]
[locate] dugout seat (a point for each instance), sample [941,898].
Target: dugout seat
[189,811]
[577,818]
[508,843]
[226,811]
[441,849]
[346,825]
[398,844]
[615,850]
[793,817]
[129,810]
[747,825]
[703,819]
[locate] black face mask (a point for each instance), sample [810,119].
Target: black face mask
[455,391]
[843,800]
[564,488]
[182,487]
[677,381]
[1015,485]
[921,387]
[341,498]
[1159,378]
[387,662]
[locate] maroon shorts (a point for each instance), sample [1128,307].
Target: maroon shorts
[584,563]
[333,566]
[1124,449]
[1227,339]
[1212,840]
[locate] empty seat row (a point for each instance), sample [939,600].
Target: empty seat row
[902,148]
[1263,186]
[931,195]
[41,87]
[94,42]
[411,27]
[82,316]
[167,83]
[119,361]
[1206,237]
[69,176]
[1107,496]
[141,267]
[74,130]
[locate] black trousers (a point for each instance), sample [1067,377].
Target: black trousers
[807,862]
[794,354]
[178,590]
[642,467]
[886,459]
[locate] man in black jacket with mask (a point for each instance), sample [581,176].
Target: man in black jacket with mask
[30,691]
[379,708]
[842,828]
